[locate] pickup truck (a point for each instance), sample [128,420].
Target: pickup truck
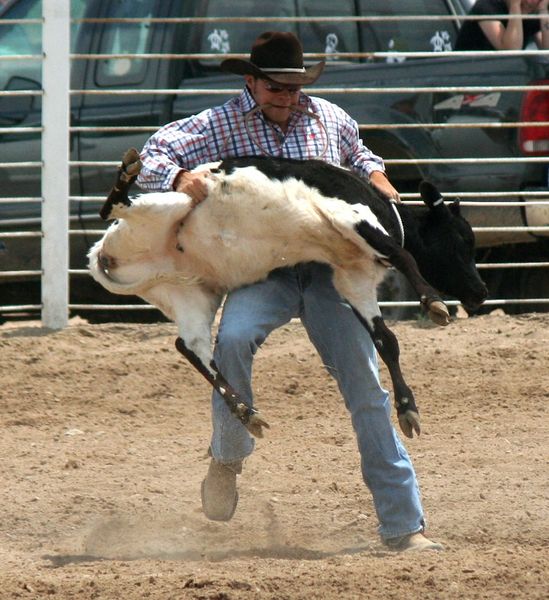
[432,151]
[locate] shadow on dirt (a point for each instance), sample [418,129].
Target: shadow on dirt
[276,552]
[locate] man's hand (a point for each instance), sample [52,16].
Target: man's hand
[192,184]
[379,180]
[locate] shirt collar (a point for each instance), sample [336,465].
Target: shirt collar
[246,101]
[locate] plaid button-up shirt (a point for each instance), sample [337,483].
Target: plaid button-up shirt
[223,131]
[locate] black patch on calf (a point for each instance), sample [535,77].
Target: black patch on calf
[116,196]
[378,240]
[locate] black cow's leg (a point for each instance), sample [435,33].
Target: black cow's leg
[386,344]
[127,174]
[402,260]
[249,417]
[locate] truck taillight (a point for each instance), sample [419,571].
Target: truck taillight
[535,108]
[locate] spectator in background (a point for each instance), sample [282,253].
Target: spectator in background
[505,34]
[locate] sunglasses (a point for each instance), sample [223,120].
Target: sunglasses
[278,89]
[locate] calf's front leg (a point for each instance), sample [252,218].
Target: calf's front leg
[402,260]
[387,346]
[358,287]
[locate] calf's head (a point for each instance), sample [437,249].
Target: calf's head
[448,250]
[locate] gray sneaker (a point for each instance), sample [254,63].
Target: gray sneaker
[412,542]
[219,493]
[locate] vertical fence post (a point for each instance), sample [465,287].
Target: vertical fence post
[55,161]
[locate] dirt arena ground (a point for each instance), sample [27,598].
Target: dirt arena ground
[104,430]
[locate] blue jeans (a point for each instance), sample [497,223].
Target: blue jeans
[345,347]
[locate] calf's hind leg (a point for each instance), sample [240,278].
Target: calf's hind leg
[249,417]
[193,309]
[127,174]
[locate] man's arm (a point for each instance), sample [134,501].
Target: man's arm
[381,182]
[171,152]
[363,161]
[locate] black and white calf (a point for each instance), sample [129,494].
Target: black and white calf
[261,214]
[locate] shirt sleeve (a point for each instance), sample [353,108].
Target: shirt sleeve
[181,145]
[354,153]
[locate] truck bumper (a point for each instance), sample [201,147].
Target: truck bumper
[536,215]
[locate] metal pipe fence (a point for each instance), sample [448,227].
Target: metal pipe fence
[56,129]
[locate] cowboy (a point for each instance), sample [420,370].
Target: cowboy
[273,117]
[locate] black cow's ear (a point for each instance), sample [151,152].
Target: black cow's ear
[430,195]
[454,208]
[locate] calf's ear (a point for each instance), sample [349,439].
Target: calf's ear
[454,208]
[433,199]
[430,195]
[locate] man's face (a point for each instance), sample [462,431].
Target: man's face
[280,97]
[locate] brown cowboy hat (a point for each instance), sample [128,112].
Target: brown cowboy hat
[278,57]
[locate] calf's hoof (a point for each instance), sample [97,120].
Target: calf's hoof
[438,312]
[254,424]
[131,165]
[250,418]
[409,422]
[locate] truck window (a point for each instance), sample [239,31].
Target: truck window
[407,36]
[328,37]
[222,38]
[22,38]
[27,39]
[77,11]
[21,74]
[125,38]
